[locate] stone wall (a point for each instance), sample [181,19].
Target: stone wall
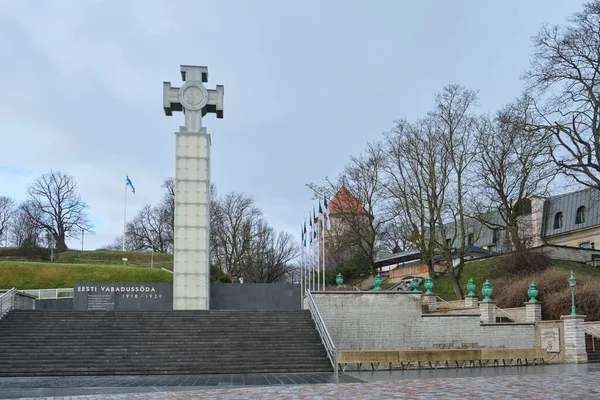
[567,253]
[54,304]
[24,301]
[255,296]
[393,321]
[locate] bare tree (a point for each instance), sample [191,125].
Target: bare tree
[24,230]
[233,220]
[55,206]
[417,176]
[7,210]
[565,69]
[270,256]
[454,117]
[514,165]
[150,230]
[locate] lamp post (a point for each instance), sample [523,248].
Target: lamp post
[572,282]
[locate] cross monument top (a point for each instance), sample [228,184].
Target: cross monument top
[192,97]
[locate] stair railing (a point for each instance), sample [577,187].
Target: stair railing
[7,301]
[322,329]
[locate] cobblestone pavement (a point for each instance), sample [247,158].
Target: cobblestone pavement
[534,386]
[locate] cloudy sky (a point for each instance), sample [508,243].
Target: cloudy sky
[307,84]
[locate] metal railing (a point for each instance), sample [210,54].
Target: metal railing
[50,294]
[450,305]
[7,301]
[325,337]
[515,319]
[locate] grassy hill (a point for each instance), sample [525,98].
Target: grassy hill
[32,275]
[552,284]
[97,257]
[110,257]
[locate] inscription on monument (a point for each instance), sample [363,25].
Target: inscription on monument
[550,339]
[109,296]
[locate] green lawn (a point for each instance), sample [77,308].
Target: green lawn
[37,275]
[110,257]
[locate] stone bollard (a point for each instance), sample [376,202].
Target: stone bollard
[574,330]
[533,312]
[430,301]
[471,301]
[487,310]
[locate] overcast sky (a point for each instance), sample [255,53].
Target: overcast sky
[307,84]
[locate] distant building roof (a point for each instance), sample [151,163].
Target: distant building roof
[567,205]
[415,255]
[404,256]
[345,202]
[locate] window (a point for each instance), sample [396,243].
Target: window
[523,207]
[448,243]
[470,239]
[580,217]
[558,220]
[495,235]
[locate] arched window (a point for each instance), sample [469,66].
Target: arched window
[558,220]
[580,217]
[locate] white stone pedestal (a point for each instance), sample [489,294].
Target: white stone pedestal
[574,330]
[191,273]
[430,301]
[471,301]
[533,312]
[488,312]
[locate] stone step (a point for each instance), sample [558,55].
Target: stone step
[38,343]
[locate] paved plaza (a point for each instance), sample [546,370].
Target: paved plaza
[548,382]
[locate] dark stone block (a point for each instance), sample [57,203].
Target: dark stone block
[118,296]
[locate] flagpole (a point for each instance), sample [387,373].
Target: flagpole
[318,258]
[323,253]
[301,272]
[125,217]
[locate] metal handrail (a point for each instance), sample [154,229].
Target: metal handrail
[7,301]
[497,308]
[323,332]
[507,313]
[439,298]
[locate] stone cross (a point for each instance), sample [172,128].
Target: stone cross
[193,98]
[191,252]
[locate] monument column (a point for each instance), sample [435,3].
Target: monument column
[191,269]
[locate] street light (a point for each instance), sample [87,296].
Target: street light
[572,282]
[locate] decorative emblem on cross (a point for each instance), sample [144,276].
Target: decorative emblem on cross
[192,97]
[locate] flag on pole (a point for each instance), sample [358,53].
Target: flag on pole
[304,234]
[128,183]
[315,215]
[320,209]
[326,213]
[310,222]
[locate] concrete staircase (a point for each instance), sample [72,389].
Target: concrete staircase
[37,343]
[592,348]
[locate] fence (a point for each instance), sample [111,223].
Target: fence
[50,294]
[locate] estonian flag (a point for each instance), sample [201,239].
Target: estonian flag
[128,183]
[304,234]
[326,212]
